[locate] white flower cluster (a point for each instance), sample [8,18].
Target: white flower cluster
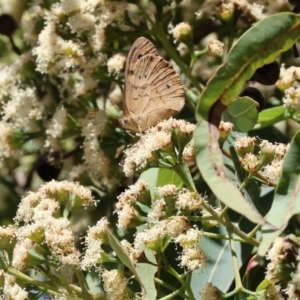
[165,219]
[61,49]
[289,83]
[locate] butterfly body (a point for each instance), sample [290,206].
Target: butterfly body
[153,90]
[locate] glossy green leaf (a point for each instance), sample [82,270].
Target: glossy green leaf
[210,162]
[242,113]
[287,197]
[146,272]
[270,116]
[258,46]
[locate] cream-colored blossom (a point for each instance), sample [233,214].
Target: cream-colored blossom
[181,31]
[21,253]
[175,226]
[225,10]
[137,192]
[61,241]
[138,155]
[244,145]
[30,19]
[148,239]
[96,236]
[293,287]
[56,127]
[188,200]
[97,162]
[288,77]
[166,190]
[72,189]
[157,211]
[250,162]
[114,285]
[277,152]
[209,292]
[225,126]
[280,150]
[215,48]
[116,63]
[273,170]
[7,235]
[277,256]
[81,22]
[190,238]
[155,138]
[23,108]
[272,292]
[11,289]
[6,148]
[98,39]
[292,98]
[189,149]
[125,216]
[45,202]
[256,11]
[133,192]
[51,47]
[192,259]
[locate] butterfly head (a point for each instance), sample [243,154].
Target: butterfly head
[134,122]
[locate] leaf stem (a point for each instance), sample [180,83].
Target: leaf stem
[237,276]
[230,227]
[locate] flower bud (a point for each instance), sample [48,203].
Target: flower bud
[267,153]
[251,163]
[215,48]
[244,145]
[182,32]
[226,11]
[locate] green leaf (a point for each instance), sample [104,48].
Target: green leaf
[270,116]
[166,176]
[92,280]
[146,272]
[210,162]
[258,46]
[242,113]
[122,255]
[159,177]
[287,197]
[219,257]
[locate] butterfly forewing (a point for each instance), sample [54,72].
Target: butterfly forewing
[158,85]
[153,90]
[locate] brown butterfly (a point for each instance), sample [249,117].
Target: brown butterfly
[153,90]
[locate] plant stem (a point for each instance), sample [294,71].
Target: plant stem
[237,276]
